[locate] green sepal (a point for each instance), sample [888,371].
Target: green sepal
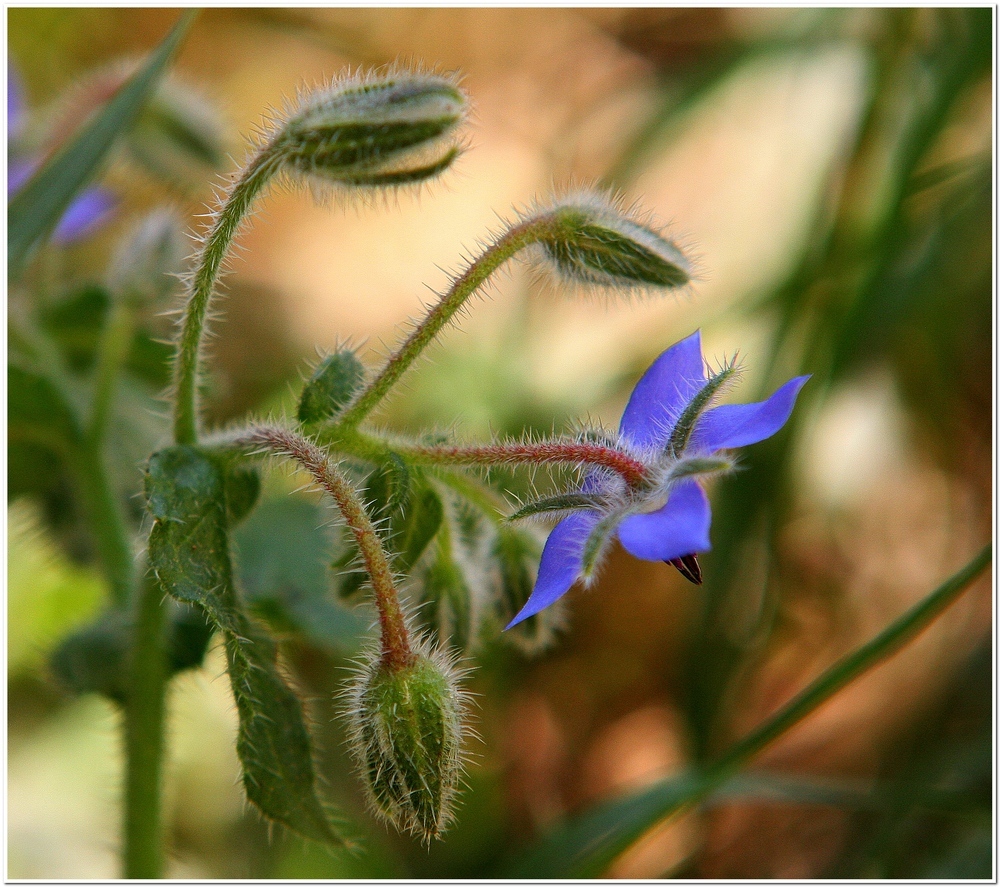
[410,512]
[591,241]
[189,555]
[448,600]
[407,738]
[596,544]
[450,581]
[330,388]
[701,401]
[562,502]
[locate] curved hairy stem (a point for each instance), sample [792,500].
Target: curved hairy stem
[227,223]
[506,247]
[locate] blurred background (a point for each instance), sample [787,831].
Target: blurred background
[832,172]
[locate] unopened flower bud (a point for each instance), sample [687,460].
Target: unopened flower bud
[371,132]
[406,735]
[594,242]
[330,388]
[145,267]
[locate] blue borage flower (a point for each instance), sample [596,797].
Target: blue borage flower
[671,427]
[91,208]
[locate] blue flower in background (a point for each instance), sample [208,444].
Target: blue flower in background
[670,426]
[91,208]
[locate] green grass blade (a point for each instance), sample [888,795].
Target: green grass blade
[584,847]
[39,205]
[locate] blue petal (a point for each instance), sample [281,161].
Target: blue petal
[663,392]
[18,173]
[90,210]
[562,561]
[739,425]
[679,528]
[15,99]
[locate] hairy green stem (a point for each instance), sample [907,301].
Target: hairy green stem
[145,715]
[107,521]
[112,352]
[506,247]
[227,223]
[396,652]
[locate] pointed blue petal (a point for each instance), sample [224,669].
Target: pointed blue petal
[739,425]
[562,560]
[679,528]
[662,393]
[15,99]
[89,211]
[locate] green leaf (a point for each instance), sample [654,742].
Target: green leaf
[37,409]
[242,491]
[189,555]
[38,206]
[584,847]
[95,657]
[282,552]
[189,544]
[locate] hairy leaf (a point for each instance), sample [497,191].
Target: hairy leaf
[189,554]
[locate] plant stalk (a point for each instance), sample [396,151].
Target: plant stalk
[396,651]
[145,716]
[506,247]
[224,229]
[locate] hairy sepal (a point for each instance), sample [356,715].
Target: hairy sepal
[406,728]
[374,131]
[594,241]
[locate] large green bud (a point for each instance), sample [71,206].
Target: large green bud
[375,131]
[406,732]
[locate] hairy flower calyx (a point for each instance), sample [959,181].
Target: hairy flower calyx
[378,131]
[593,241]
[406,735]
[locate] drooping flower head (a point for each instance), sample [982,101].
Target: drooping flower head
[671,426]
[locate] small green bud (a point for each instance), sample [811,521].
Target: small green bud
[594,242]
[179,135]
[406,732]
[330,388]
[374,131]
[146,265]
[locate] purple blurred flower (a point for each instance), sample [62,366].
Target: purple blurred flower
[91,208]
[669,426]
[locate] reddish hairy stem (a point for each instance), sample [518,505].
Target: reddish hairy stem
[396,652]
[632,470]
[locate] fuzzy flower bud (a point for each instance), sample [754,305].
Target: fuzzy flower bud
[145,267]
[406,736]
[330,388]
[375,132]
[595,242]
